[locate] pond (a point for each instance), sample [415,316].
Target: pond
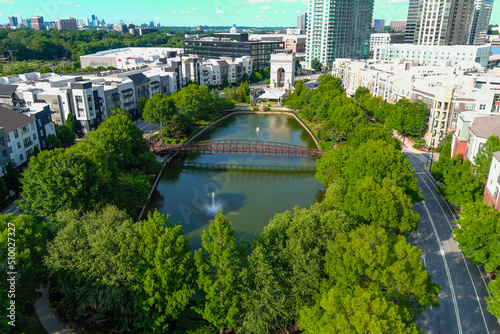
[250,190]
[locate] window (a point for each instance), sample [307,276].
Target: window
[495,195]
[21,157]
[19,145]
[455,115]
[16,134]
[482,106]
[32,126]
[4,154]
[468,106]
[34,136]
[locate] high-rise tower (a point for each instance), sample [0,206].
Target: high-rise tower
[439,22]
[338,29]
[480,21]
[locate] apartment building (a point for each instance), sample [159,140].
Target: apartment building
[446,90]
[428,54]
[480,21]
[20,137]
[338,29]
[378,39]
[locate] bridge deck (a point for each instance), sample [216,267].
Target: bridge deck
[243,148]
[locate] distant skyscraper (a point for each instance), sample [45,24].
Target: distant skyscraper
[302,21]
[27,23]
[398,25]
[13,21]
[338,29]
[93,21]
[37,23]
[439,22]
[480,21]
[151,24]
[378,24]
[69,23]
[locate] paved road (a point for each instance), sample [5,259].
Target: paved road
[146,127]
[12,208]
[463,308]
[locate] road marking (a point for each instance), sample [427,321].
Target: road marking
[463,257]
[454,212]
[453,296]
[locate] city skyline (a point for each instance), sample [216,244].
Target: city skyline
[259,13]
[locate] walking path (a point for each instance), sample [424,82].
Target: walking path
[46,316]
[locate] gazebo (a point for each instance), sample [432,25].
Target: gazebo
[273,94]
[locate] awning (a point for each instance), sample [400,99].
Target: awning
[273,94]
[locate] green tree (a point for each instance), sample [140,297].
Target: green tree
[316,64]
[374,131]
[445,160]
[479,234]
[159,109]
[493,302]
[284,270]
[371,262]
[30,248]
[178,127]
[194,102]
[357,310]
[4,192]
[164,274]
[345,118]
[225,83]
[130,192]
[266,74]
[141,104]
[59,180]
[64,137]
[379,159]
[381,204]
[93,260]
[217,265]
[482,160]
[12,177]
[460,185]
[71,123]
[407,116]
[361,91]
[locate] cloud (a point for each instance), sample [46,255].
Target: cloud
[275,11]
[1,14]
[77,6]
[174,11]
[7,2]
[37,9]
[218,11]
[238,12]
[157,18]
[283,12]
[265,8]
[194,8]
[64,3]
[258,16]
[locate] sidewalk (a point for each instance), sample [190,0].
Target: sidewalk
[46,316]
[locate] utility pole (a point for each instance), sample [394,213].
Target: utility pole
[420,134]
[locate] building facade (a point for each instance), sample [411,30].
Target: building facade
[447,91]
[234,46]
[13,21]
[338,29]
[442,22]
[480,21]
[302,21]
[398,25]
[378,39]
[37,22]
[491,191]
[69,23]
[427,54]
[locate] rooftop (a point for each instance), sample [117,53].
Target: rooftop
[11,120]
[486,126]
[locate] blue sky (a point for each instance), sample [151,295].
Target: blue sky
[190,12]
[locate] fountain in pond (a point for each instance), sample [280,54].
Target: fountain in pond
[214,207]
[257,130]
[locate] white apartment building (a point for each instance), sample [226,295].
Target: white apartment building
[430,54]
[446,90]
[491,192]
[378,39]
[20,133]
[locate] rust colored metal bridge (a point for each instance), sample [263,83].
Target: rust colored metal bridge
[243,148]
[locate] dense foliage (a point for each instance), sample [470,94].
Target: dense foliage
[30,273]
[110,166]
[24,44]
